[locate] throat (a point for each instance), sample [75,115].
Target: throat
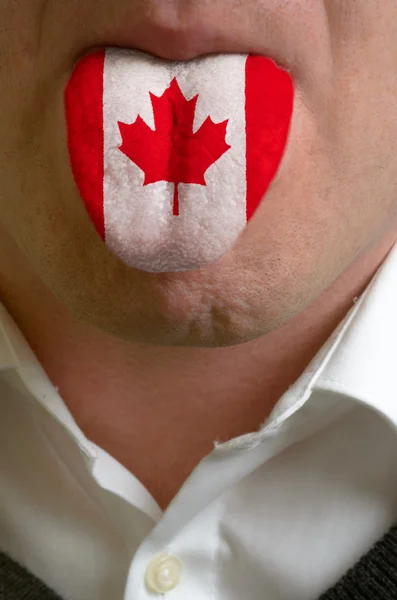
[162,449]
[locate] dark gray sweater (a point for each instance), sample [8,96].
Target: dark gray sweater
[374,577]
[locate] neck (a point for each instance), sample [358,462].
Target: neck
[129,398]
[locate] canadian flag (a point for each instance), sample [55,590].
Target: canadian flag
[170,158]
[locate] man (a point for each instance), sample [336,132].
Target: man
[223,433]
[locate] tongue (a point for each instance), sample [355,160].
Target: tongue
[172,159]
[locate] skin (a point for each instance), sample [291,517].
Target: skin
[142,359]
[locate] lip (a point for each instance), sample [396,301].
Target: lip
[180,46]
[170,40]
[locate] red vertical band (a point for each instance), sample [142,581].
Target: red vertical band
[84,113]
[269,96]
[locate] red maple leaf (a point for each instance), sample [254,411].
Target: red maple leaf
[172,152]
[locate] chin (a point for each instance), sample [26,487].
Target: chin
[217,306]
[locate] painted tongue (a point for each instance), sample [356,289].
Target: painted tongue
[172,159]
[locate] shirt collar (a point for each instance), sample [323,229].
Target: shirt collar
[22,370]
[364,364]
[358,361]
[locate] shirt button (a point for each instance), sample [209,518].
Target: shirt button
[163,573]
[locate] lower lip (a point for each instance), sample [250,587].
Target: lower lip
[173,159]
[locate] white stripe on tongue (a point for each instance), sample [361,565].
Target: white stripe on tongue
[140,224]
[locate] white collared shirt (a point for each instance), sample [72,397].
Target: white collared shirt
[280,514]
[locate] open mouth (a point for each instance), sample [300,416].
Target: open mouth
[173,158]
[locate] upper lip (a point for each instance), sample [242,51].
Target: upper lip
[174,45]
[186,39]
